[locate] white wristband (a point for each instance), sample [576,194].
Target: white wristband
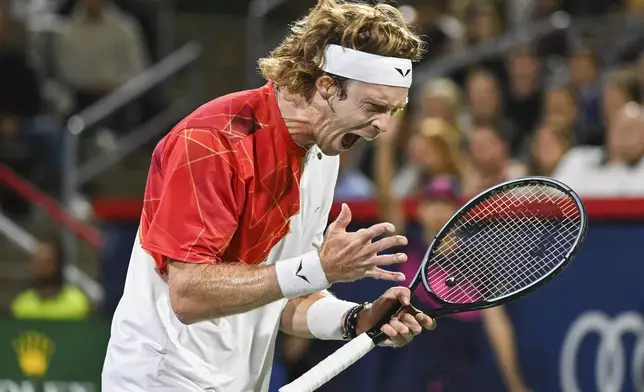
[301,275]
[324,318]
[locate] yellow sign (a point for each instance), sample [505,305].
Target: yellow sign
[34,351]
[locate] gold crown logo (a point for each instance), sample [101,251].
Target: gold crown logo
[34,351]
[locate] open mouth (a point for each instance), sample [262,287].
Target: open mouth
[349,139]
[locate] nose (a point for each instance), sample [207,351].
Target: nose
[382,122]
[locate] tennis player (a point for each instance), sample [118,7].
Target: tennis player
[230,248]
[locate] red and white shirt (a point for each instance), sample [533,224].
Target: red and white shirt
[227,185]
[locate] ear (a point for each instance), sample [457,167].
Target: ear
[325,87]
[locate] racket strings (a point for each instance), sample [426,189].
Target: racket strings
[500,252]
[504,244]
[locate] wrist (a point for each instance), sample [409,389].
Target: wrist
[301,275]
[325,318]
[352,325]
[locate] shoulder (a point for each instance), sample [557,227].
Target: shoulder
[235,115]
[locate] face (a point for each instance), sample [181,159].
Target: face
[486,24]
[44,264]
[486,149]
[626,138]
[547,149]
[560,103]
[483,96]
[427,154]
[433,214]
[582,69]
[439,107]
[524,67]
[366,112]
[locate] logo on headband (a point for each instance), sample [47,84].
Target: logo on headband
[403,73]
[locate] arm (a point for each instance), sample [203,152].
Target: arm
[294,316]
[500,333]
[202,291]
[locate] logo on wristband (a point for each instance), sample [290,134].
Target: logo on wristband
[297,273]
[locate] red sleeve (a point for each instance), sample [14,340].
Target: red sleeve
[192,202]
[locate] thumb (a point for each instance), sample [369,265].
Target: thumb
[343,219]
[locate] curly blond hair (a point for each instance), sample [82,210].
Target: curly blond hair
[378,29]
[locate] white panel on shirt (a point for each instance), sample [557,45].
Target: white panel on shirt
[151,350]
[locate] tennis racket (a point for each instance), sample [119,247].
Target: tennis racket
[503,244]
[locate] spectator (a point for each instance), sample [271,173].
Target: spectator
[433,150]
[617,170]
[100,49]
[455,350]
[28,143]
[50,298]
[549,144]
[483,21]
[441,99]
[559,102]
[440,30]
[618,90]
[489,160]
[485,105]
[584,77]
[525,94]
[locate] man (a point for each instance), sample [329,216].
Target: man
[230,248]
[100,49]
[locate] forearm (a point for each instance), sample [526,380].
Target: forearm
[213,291]
[293,320]
[205,291]
[305,317]
[500,333]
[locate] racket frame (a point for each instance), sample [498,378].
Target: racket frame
[451,308]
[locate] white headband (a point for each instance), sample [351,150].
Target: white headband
[367,67]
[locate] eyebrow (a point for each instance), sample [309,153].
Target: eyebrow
[381,102]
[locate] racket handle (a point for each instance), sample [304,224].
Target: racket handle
[332,365]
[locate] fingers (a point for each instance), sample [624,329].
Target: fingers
[386,243]
[366,235]
[426,321]
[386,259]
[404,327]
[399,334]
[342,221]
[378,273]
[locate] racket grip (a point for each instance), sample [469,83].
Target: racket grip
[332,365]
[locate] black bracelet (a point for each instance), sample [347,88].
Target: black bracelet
[350,325]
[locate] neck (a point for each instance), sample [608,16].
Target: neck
[298,116]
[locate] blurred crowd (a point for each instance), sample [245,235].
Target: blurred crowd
[56,59]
